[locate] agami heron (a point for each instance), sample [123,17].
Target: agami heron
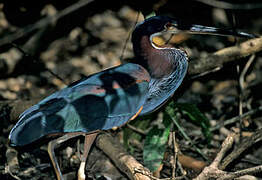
[114,96]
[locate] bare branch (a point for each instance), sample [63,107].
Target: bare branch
[225,55]
[215,169]
[125,162]
[244,145]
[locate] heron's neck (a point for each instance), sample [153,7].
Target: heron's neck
[158,61]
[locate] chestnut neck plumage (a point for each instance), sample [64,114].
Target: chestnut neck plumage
[158,61]
[166,66]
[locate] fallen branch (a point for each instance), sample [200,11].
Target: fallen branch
[241,147]
[216,168]
[229,54]
[125,162]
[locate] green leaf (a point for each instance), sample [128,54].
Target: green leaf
[141,123]
[155,145]
[150,15]
[196,117]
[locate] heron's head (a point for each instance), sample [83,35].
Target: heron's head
[161,24]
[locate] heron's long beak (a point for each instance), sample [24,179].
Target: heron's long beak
[199,29]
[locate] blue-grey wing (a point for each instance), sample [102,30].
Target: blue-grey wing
[99,102]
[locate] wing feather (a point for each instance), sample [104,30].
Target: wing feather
[99,102]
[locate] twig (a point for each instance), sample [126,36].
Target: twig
[30,50]
[245,144]
[181,161]
[177,156]
[184,173]
[244,71]
[12,163]
[243,172]
[32,57]
[226,145]
[175,148]
[239,125]
[212,170]
[187,138]
[215,169]
[128,37]
[140,131]
[242,89]
[205,73]
[11,174]
[235,119]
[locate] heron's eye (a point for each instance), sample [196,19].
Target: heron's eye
[169,26]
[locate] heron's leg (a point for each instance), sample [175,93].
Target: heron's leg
[51,147]
[89,139]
